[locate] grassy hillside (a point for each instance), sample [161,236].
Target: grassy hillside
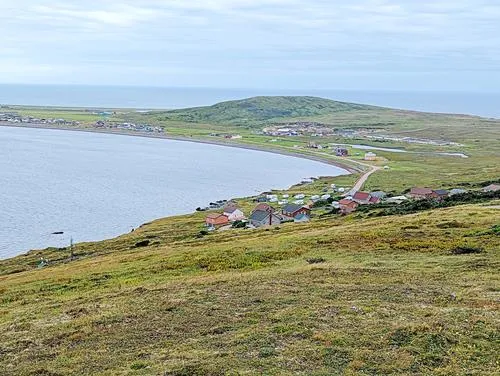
[336,296]
[260,109]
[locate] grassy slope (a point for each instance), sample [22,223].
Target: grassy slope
[390,299]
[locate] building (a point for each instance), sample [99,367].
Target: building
[441,193]
[422,193]
[290,211]
[233,213]
[362,198]
[457,191]
[341,152]
[347,206]
[260,218]
[214,220]
[370,156]
[378,194]
[492,188]
[264,207]
[397,199]
[302,218]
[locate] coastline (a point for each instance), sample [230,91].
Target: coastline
[350,169]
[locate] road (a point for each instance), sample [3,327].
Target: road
[362,180]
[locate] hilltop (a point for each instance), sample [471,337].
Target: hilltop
[261,109]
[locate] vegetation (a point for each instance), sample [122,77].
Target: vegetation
[259,110]
[370,296]
[413,292]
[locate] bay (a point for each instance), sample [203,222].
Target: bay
[96,186]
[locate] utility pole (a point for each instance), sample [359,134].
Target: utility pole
[71,249]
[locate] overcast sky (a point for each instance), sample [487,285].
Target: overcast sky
[277,44]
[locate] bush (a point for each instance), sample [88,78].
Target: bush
[315,260]
[465,250]
[142,243]
[239,224]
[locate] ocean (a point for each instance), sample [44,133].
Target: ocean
[96,186]
[482,104]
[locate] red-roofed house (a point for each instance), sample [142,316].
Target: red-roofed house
[361,197]
[216,219]
[347,206]
[374,200]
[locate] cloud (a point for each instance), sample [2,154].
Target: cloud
[248,43]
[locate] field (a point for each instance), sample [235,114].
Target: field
[413,294]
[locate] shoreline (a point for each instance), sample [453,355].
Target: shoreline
[347,169]
[164,136]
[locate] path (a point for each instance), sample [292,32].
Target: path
[362,180]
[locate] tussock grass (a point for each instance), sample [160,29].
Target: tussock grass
[387,298]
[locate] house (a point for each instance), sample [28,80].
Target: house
[293,210]
[378,194]
[397,199]
[264,207]
[457,191]
[441,193]
[214,220]
[341,152]
[260,218]
[302,218]
[492,188]
[374,200]
[422,193]
[370,156]
[233,213]
[361,198]
[260,199]
[347,206]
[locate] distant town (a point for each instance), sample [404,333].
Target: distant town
[313,129]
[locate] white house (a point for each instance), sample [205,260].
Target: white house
[234,214]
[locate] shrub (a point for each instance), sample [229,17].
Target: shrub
[142,243]
[465,250]
[315,260]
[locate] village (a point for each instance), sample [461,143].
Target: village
[314,129]
[102,124]
[15,118]
[273,209]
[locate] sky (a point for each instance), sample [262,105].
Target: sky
[314,44]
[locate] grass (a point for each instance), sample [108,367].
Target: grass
[390,296]
[357,295]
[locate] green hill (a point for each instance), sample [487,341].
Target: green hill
[260,109]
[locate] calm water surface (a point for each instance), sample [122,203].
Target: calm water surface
[96,186]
